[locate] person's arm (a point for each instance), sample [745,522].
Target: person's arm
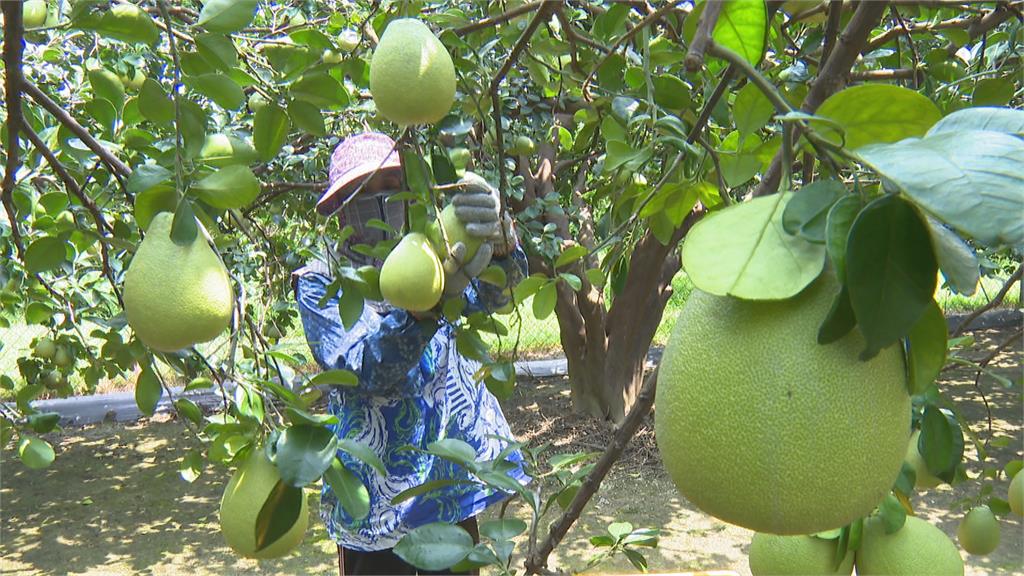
[384,350]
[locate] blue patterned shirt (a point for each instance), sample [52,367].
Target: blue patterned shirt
[414,388]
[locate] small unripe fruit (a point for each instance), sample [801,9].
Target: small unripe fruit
[63,357]
[978,532]
[45,349]
[348,40]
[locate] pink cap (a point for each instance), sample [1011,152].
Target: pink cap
[354,161]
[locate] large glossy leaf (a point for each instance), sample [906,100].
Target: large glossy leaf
[956,259]
[890,271]
[751,110]
[278,514]
[741,28]
[219,88]
[45,254]
[877,113]
[229,187]
[129,23]
[147,391]
[926,353]
[302,453]
[351,492]
[321,90]
[105,84]
[218,50]
[806,214]
[363,453]
[971,180]
[837,231]
[307,117]
[941,443]
[270,128]
[435,546]
[227,15]
[989,119]
[743,251]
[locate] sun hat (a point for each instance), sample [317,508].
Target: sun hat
[355,160]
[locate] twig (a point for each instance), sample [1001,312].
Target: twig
[702,38]
[981,369]
[983,24]
[887,74]
[499,19]
[709,106]
[537,562]
[915,58]
[570,36]
[13,48]
[835,12]
[723,189]
[996,301]
[116,166]
[178,163]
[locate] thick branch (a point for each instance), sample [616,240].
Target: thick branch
[537,563]
[702,38]
[831,76]
[499,19]
[13,48]
[986,23]
[1013,279]
[116,165]
[835,11]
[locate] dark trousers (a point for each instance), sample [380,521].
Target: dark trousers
[387,563]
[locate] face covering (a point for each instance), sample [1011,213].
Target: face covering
[358,213]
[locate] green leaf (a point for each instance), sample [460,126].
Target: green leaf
[227,15]
[219,88]
[494,275]
[570,255]
[147,390]
[544,300]
[671,92]
[278,514]
[572,280]
[351,492]
[890,271]
[956,259]
[191,466]
[146,176]
[303,453]
[839,320]
[105,84]
[193,127]
[971,180]
[218,50]
[741,28]
[307,117]
[129,23]
[502,528]
[837,232]
[992,92]
[153,201]
[892,514]
[989,119]
[43,422]
[751,110]
[350,306]
[270,128]
[337,377]
[434,546]
[743,251]
[45,254]
[424,488]
[807,212]
[877,113]
[248,403]
[188,409]
[200,383]
[184,229]
[941,443]
[619,529]
[36,453]
[454,450]
[363,453]
[103,112]
[320,90]
[927,349]
[229,188]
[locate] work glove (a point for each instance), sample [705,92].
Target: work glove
[458,271]
[478,207]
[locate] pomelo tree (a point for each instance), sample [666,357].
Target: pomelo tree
[752,144]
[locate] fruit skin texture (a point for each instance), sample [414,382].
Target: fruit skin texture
[978,532]
[175,296]
[33,13]
[771,554]
[412,277]
[1016,495]
[924,478]
[916,548]
[456,233]
[241,503]
[412,78]
[761,426]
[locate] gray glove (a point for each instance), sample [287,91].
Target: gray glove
[458,272]
[478,207]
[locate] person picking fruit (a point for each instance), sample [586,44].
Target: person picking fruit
[414,386]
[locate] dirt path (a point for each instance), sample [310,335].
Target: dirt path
[114,503]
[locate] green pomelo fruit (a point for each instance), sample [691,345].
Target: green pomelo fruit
[745,390]
[105,84]
[348,40]
[524,145]
[771,554]
[33,13]
[134,80]
[916,548]
[460,157]
[62,357]
[1016,494]
[456,232]
[44,349]
[924,478]
[412,78]
[978,532]
[256,102]
[53,380]
[412,277]
[245,497]
[223,150]
[176,296]
[331,57]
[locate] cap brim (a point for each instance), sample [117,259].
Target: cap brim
[344,187]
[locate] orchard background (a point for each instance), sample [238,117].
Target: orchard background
[612,128]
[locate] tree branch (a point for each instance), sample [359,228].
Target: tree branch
[702,38]
[830,76]
[499,19]
[537,562]
[13,48]
[1013,279]
[835,12]
[116,166]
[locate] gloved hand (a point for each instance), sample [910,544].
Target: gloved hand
[477,206]
[458,272]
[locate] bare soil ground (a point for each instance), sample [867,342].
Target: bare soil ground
[114,503]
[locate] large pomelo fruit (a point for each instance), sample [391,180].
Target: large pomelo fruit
[978,532]
[176,296]
[916,548]
[251,488]
[775,555]
[1015,494]
[412,77]
[761,426]
[456,232]
[412,276]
